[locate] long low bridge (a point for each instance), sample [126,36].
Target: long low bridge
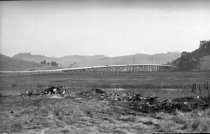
[106,69]
[122,68]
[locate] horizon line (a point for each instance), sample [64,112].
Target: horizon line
[138,53]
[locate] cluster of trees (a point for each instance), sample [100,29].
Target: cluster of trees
[204,44]
[52,63]
[188,62]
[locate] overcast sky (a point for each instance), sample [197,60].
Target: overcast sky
[111,28]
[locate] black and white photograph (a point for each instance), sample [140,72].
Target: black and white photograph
[104,66]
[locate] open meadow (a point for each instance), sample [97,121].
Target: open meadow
[19,83]
[80,111]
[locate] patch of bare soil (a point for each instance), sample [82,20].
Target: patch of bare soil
[56,111]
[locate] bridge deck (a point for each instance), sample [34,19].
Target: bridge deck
[108,68]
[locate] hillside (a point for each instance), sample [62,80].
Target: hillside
[11,64]
[66,61]
[195,60]
[100,60]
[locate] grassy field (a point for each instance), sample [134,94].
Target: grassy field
[76,115]
[17,83]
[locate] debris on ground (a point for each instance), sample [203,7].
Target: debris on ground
[134,102]
[190,103]
[53,90]
[49,91]
[34,92]
[148,104]
[94,93]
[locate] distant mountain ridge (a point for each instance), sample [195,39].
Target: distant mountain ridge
[101,60]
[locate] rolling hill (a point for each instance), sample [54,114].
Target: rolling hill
[195,60]
[100,60]
[11,64]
